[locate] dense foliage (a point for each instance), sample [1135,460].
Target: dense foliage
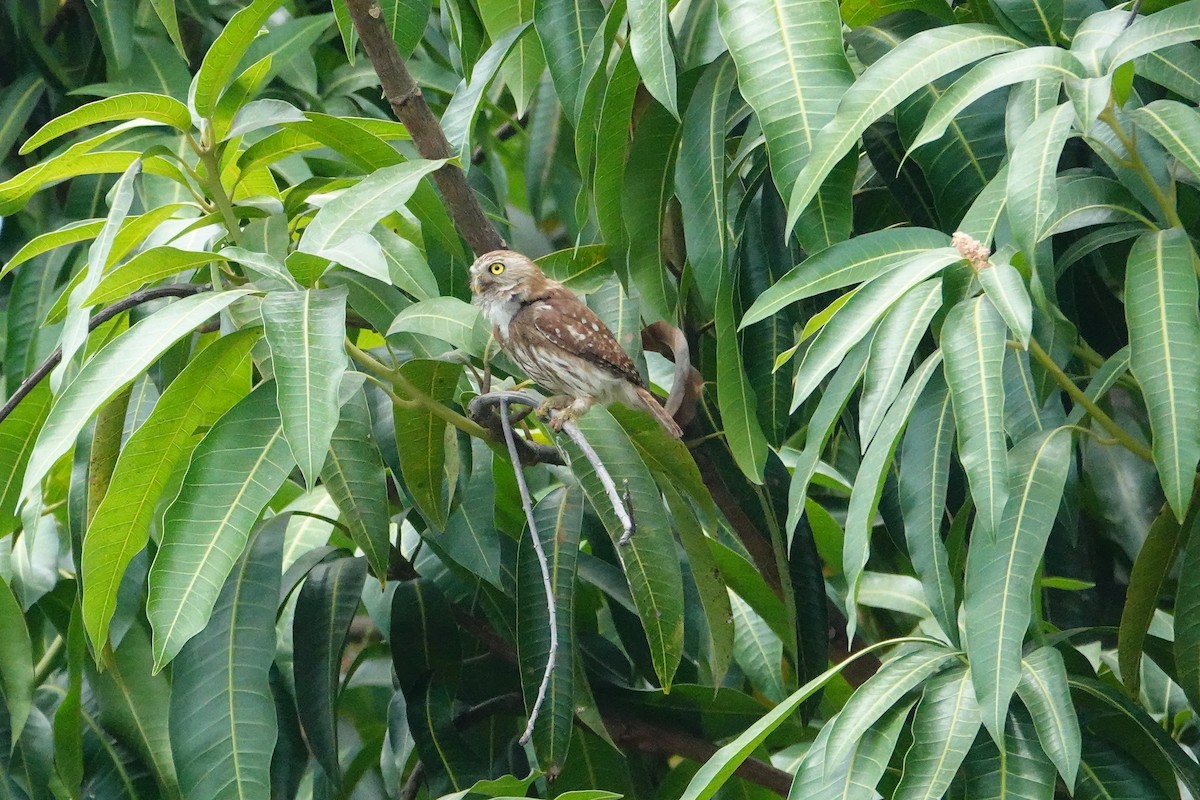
[929,530]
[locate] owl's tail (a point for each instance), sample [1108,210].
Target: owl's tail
[648,401]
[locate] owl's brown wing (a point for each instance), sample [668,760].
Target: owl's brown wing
[564,321]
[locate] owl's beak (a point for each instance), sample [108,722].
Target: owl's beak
[476,285]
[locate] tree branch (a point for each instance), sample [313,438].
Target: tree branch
[135,299]
[409,106]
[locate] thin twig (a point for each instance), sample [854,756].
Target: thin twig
[413,784]
[135,299]
[622,507]
[527,504]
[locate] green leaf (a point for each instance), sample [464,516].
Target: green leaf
[1175,25]
[1017,771]
[650,40]
[147,266]
[721,766]
[1107,772]
[68,717]
[305,331]
[855,776]
[649,560]
[612,143]
[165,9]
[235,471]
[558,517]
[421,437]
[868,483]
[924,477]
[735,395]
[644,206]
[113,22]
[524,67]
[700,176]
[18,432]
[911,65]
[757,651]
[1001,565]
[1032,188]
[459,117]
[16,662]
[356,480]
[1043,690]
[983,217]
[1092,200]
[857,317]
[1039,19]
[1176,127]
[324,610]
[792,70]
[446,318]
[1187,597]
[1005,287]
[943,729]
[209,386]
[856,260]
[1164,354]
[1006,69]
[973,337]
[134,105]
[222,719]
[565,27]
[470,538]
[423,621]
[114,368]
[226,52]
[18,99]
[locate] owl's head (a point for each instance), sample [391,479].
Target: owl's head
[503,272]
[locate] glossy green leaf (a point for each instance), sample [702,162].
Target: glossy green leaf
[1092,200]
[757,651]
[856,260]
[459,116]
[910,66]
[1043,690]
[1187,597]
[1164,354]
[1040,20]
[324,610]
[147,266]
[112,22]
[649,560]
[16,662]
[996,72]
[943,729]
[18,432]
[1005,287]
[565,27]
[234,472]
[222,719]
[1018,771]
[111,370]
[985,213]
[973,339]
[355,477]
[1001,565]
[133,105]
[209,386]
[855,776]
[1108,772]
[226,52]
[644,205]
[1164,540]
[612,143]
[1175,25]
[449,319]
[735,395]
[19,98]
[1031,175]
[1177,129]
[650,41]
[524,67]
[558,517]
[305,330]
[421,437]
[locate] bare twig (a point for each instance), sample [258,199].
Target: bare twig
[135,299]
[621,505]
[527,504]
[413,784]
[409,106]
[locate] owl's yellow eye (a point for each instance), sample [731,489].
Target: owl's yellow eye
[496,268]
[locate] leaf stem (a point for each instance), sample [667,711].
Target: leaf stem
[409,396]
[1077,395]
[1129,142]
[212,182]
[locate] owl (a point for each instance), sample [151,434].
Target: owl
[559,342]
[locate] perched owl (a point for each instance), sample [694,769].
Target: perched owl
[559,342]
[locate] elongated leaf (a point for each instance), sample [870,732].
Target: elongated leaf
[459,117]
[793,71]
[855,776]
[327,602]
[223,57]
[558,517]
[700,176]
[305,331]
[883,690]
[234,472]
[1164,354]
[1001,564]
[1187,601]
[134,105]
[447,318]
[649,560]
[1043,690]
[16,662]
[111,370]
[17,436]
[1107,772]
[1092,200]
[910,66]
[856,260]
[644,205]
[1032,193]
[1177,129]
[1017,771]
[19,99]
[355,477]
[1174,25]
[223,725]
[421,436]
[113,21]
[1005,287]
[973,342]
[612,143]
[208,387]
[854,320]
[944,727]
[868,484]
[146,267]
[735,395]
[524,67]
[565,27]
[650,40]
[757,650]
[998,71]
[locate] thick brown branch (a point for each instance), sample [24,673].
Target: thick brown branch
[409,106]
